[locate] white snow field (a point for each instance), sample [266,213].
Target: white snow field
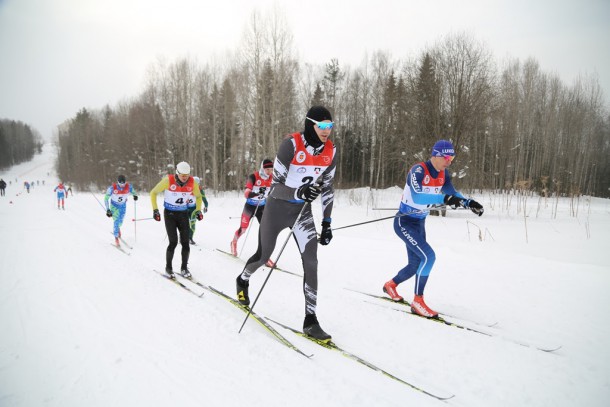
[86,325]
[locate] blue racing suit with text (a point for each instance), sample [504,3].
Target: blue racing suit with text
[425,188]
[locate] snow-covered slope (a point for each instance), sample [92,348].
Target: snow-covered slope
[86,325]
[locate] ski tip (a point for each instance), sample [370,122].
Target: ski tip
[551,349]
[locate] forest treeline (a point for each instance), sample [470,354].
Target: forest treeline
[515,127]
[18,143]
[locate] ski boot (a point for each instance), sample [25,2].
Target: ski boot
[311,327]
[420,308]
[170,272]
[185,273]
[270,263]
[192,242]
[390,289]
[242,290]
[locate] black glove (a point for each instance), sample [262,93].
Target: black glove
[327,234]
[308,192]
[157,215]
[199,215]
[454,201]
[261,191]
[135,197]
[475,207]
[109,213]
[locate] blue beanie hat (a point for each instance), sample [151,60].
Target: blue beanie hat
[442,148]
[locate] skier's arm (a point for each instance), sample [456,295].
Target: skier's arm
[449,189]
[249,185]
[107,196]
[197,194]
[328,191]
[281,165]
[160,187]
[203,198]
[133,191]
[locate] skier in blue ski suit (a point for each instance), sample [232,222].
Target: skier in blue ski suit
[116,202]
[428,185]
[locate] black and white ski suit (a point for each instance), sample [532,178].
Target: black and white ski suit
[296,164]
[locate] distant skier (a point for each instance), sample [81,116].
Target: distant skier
[2,187]
[256,193]
[61,194]
[26,185]
[193,208]
[116,203]
[178,189]
[428,184]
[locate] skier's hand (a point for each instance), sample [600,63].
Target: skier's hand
[308,192]
[261,191]
[109,213]
[454,201]
[157,215]
[475,207]
[199,215]
[205,209]
[135,197]
[327,234]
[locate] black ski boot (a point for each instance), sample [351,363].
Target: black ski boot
[311,327]
[169,272]
[185,273]
[242,290]
[192,242]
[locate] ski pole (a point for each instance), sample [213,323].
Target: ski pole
[135,231]
[370,221]
[274,265]
[98,201]
[248,231]
[137,220]
[380,219]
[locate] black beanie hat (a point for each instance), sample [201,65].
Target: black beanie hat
[121,179]
[318,113]
[267,163]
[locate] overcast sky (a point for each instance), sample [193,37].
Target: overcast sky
[58,56]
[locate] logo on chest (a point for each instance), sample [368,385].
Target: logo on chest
[301,156]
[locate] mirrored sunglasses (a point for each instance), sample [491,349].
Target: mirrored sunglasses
[447,157]
[323,125]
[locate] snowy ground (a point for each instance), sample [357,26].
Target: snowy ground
[86,325]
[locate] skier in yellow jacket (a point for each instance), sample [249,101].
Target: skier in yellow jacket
[178,189]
